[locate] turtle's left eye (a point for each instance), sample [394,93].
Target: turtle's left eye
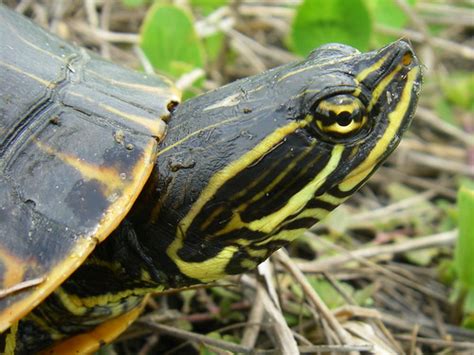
[339,116]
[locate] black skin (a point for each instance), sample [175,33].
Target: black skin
[182,173]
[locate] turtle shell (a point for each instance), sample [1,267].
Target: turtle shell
[78,140]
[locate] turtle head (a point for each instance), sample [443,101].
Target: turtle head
[250,166]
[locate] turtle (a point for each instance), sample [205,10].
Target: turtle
[111,188]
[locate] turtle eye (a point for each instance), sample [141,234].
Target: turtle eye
[339,116]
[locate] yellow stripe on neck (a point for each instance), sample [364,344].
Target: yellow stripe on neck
[214,268]
[395,119]
[297,202]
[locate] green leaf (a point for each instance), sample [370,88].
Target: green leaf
[458,88]
[205,350]
[399,192]
[387,13]
[422,257]
[445,111]
[106,350]
[321,21]
[363,297]
[465,244]
[328,293]
[134,3]
[468,319]
[291,319]
[208,6]
[168,39]
[213,45]
[469,301]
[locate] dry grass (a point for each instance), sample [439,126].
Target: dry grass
[387,244]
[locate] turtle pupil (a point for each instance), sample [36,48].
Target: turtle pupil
[344,118]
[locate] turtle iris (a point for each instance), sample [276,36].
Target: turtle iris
[339,117]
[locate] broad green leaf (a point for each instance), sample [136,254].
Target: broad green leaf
[331,297]
[168,39]
[321,21]
[208,6]
[213,45]
[387,13]
[463,258]
[134,3]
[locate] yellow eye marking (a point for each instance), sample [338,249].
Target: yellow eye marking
[337,128]
[107,176]
[395,119]
[337,109]
[48,84]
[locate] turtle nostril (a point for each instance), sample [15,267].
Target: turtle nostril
[407,58]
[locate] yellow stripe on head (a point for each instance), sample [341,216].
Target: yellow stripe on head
[395,119]
[294,205]
[215,267]
[374,67]
[298,201]
[221,177]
